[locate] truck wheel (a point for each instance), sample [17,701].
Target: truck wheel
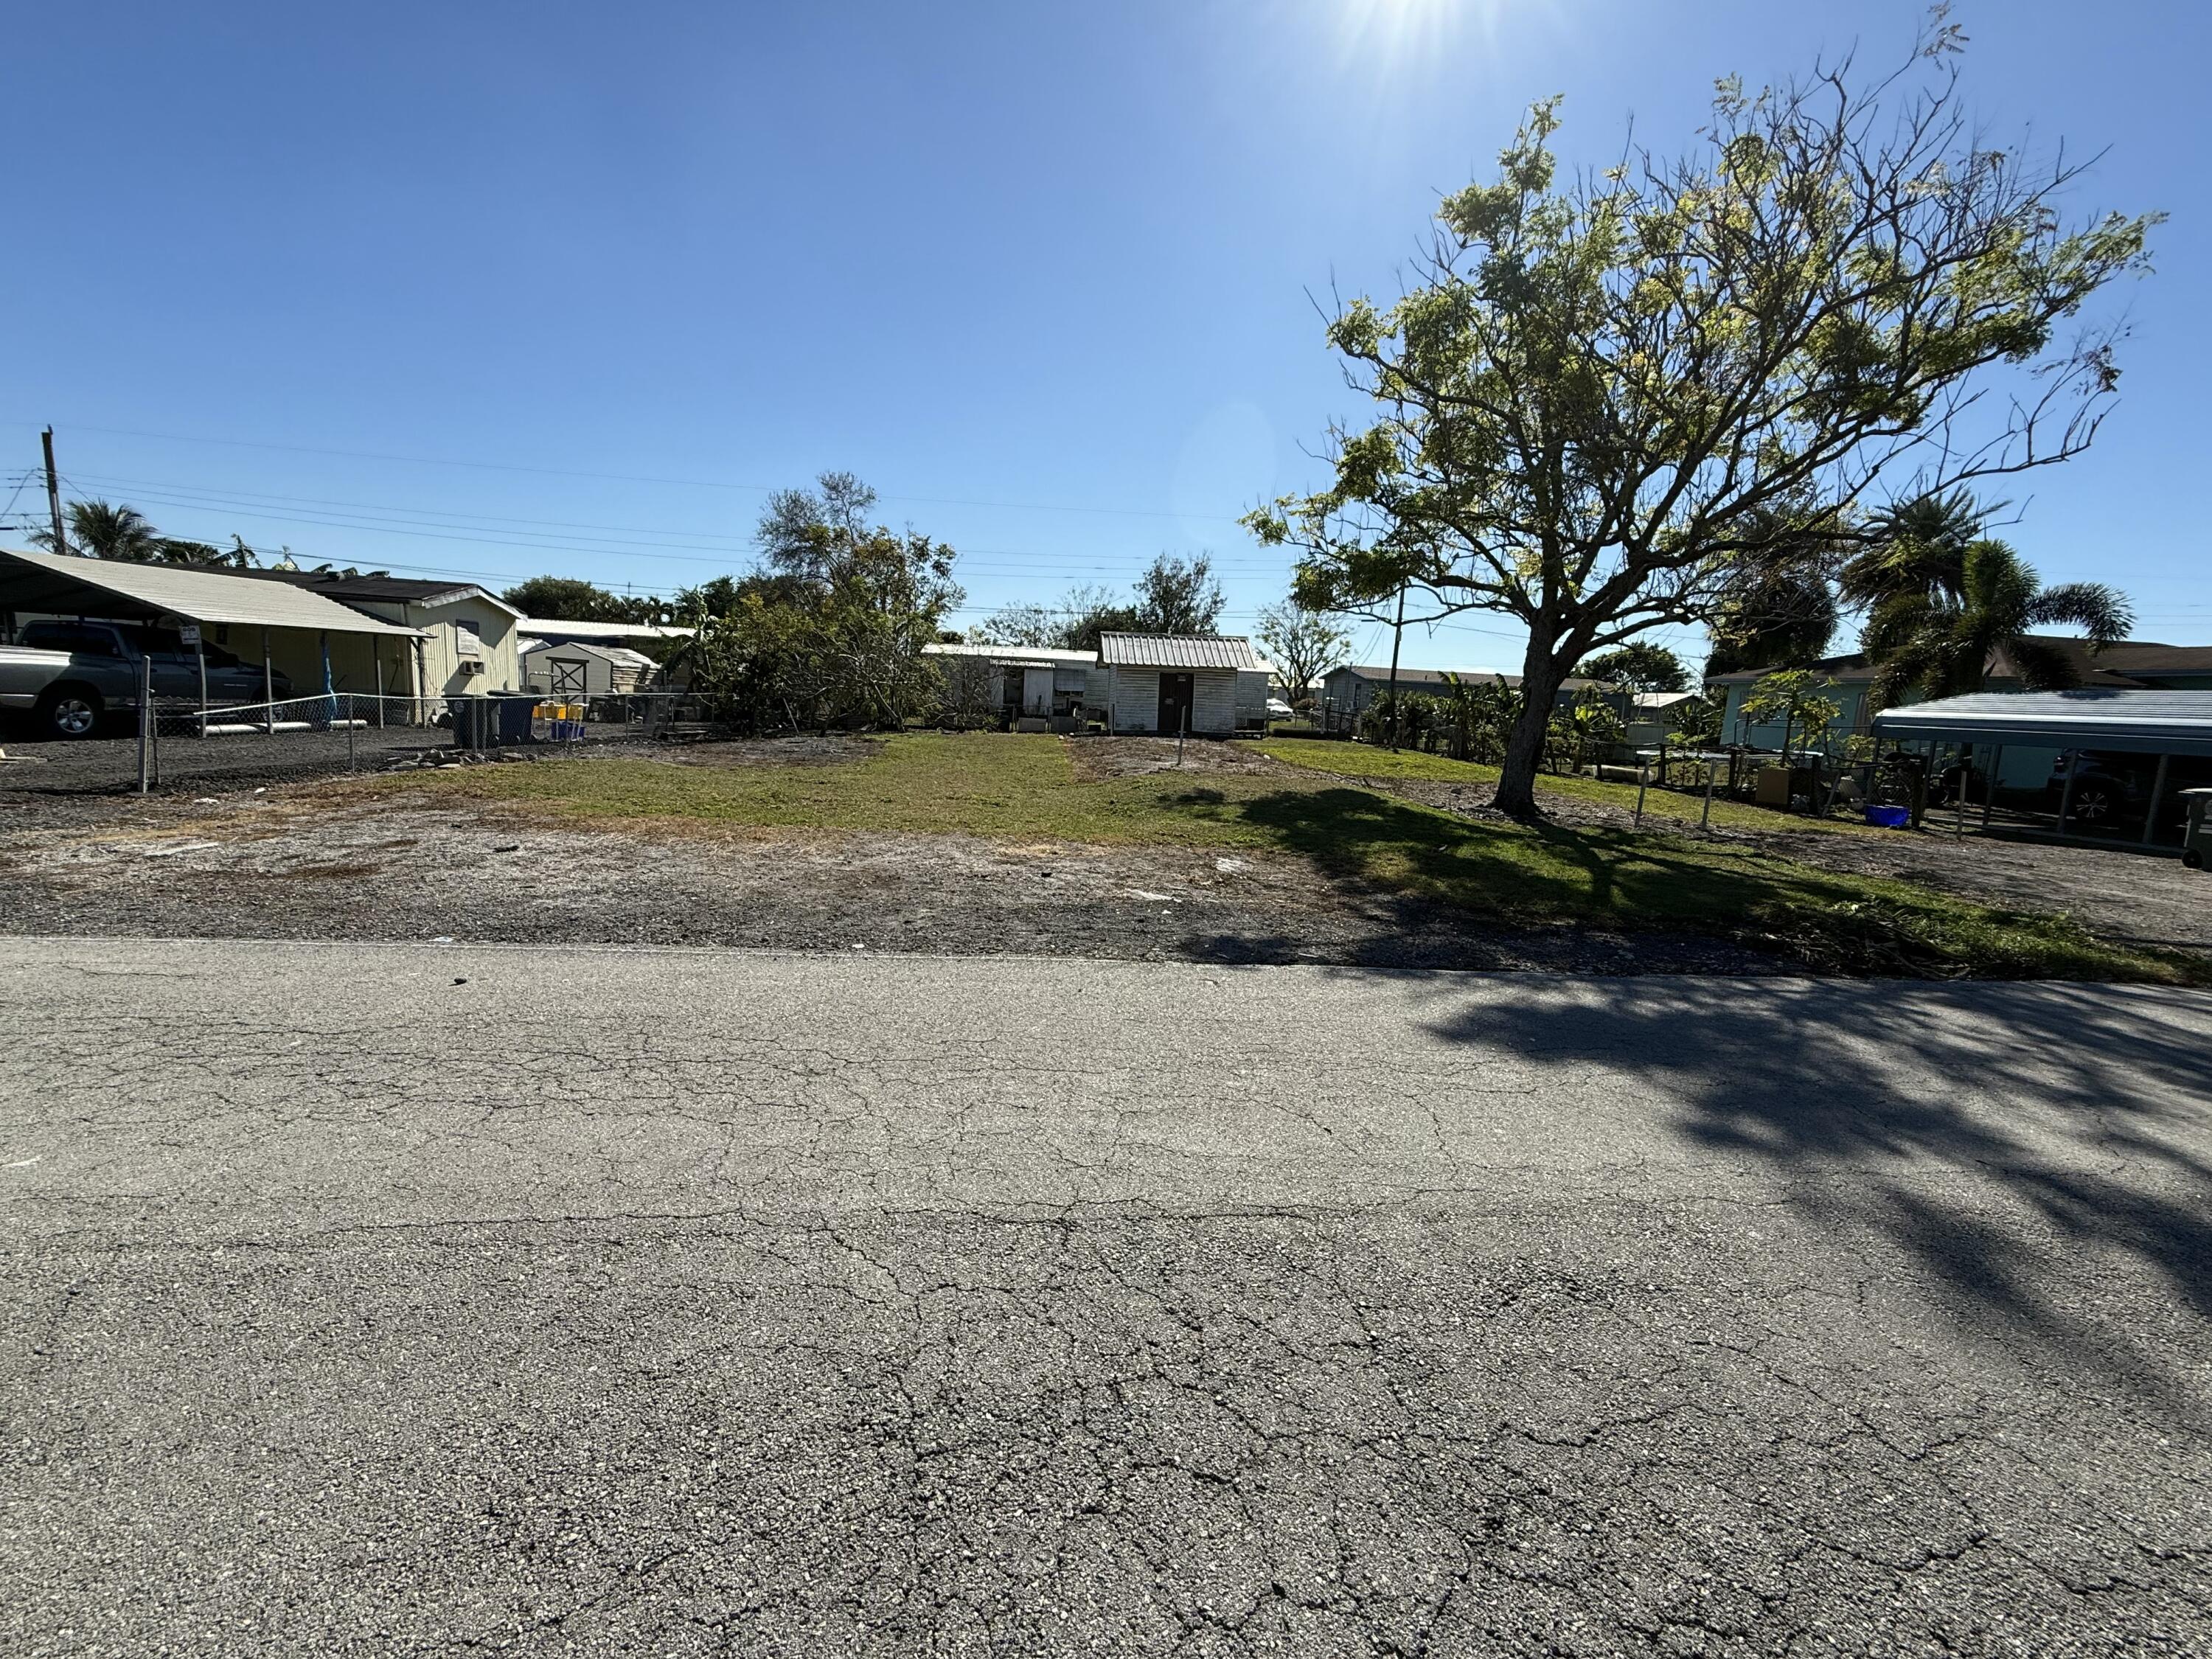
[71,712]
[2193,859]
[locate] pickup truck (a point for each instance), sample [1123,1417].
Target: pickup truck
[70,674]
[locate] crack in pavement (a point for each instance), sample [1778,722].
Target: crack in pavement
[788,1305]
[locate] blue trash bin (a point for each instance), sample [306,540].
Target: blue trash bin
[514,711]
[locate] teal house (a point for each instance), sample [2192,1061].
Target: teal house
[2131,665]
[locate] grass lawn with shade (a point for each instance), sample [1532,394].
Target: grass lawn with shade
[1361,760]
[1517,875]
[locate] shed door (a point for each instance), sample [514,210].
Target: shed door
[1176,693]
[1036,691]
[568,680]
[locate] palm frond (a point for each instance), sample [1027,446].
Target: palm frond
[2104,614]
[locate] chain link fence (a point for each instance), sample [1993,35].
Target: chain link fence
[166,746]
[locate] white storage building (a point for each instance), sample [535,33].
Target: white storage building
[1172,684]
[573,670]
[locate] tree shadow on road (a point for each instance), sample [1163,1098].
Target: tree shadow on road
[2008,1142]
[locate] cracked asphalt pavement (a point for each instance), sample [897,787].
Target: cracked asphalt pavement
[385,1299]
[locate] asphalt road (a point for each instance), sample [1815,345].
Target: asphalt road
[672,1303]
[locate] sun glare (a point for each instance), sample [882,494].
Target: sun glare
[1400,28]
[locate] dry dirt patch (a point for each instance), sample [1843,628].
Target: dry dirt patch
[1100,760]
[412,864]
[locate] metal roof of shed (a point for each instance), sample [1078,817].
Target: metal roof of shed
[621,656]
[1037,656]
[2139,722]
[78,587]
[549,628]
[1180,651]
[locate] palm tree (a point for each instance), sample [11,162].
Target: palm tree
[1780,608]
[1915,546]
[1950,616]
[103,531]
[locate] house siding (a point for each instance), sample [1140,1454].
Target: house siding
[1134,695]
[1252,698]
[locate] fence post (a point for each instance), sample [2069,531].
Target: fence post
[145,722]
[350,723]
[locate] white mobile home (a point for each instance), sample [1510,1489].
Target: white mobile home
[469,637]
[1029,683]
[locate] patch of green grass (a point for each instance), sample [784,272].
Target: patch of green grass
[997,786]
[1361,760]
[1024,788]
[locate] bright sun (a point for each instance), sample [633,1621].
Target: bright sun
[1395,28]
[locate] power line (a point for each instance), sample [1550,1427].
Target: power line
[626,477]
[490,534]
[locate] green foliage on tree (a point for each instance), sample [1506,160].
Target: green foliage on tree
[567,599]
[1610,404]
[1174,596]
[829,632]
[1179,596]
[1799,699]
[1304,645]
[1583,731]
[104,529]
[1639,665]
[1035,625]
[1938,620]
[1694,723]
[1781,616]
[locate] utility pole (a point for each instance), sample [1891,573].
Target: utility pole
[53,492]
[1397,636]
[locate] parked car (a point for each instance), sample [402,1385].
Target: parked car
[71,674]
[2112,791]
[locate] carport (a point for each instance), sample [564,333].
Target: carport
[294,625]
[2158,742]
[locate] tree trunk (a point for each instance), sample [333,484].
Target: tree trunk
[1524,747]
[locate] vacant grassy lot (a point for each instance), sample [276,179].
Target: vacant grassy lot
[1360,760]
[1025,788]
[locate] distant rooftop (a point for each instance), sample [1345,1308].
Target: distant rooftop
[1380,675]
[2121,666]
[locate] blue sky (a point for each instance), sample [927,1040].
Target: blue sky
[493,289]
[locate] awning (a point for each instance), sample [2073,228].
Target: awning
[147,593]
[2134,723]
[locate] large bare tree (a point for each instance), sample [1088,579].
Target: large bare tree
[1608,405]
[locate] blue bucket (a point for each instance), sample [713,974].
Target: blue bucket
[1890,817]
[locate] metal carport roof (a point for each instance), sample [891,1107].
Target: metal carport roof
[2138,722]
[74,587]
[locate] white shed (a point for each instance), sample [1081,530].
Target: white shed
[1170,684]
[574,669]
